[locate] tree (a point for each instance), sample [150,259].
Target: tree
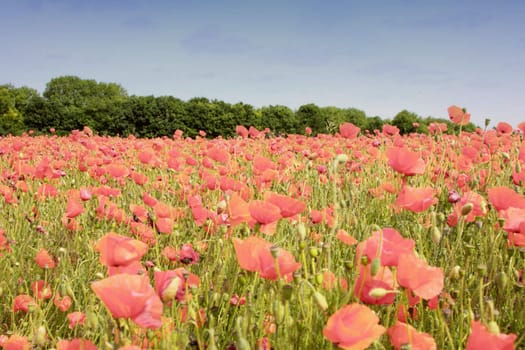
[11,120]
[406,122]
[310,115]
[374,123]
[74,103]
[279,119]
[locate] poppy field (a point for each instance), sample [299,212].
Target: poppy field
[354,240]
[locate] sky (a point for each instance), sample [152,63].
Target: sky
[380,56]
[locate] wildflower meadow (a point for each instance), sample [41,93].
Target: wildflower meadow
[358,240]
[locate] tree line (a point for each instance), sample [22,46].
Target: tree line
[70,103]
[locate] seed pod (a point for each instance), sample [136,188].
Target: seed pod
[378,292]
[466,209]
[502,280]
[314,251]
[375,266]
[286,292]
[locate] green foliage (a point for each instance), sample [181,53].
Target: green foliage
[74,103]
[310,115]
[11,120]
[279,119]
[70,103]
[406,121]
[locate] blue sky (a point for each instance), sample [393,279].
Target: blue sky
[379,56]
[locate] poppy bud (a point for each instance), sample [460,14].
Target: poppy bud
[170,292]
[275,251]
[278,311]
[321,301]
[466,209]
[215,299]
[378,292]
[455,273]
[319,278]
[314,252]
[91,320]
[242,344]
[341,158]
[436,235]
[487,122]
[375,266]
[502,280]
[211,343]
[286,292]
[40,335]
[482,269]
[493,327]
[301,230]
[453,196]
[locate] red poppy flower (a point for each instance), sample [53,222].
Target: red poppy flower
[365,283]
[172,284]
[503,198]
[264,212]
[288,206]
[388,245]
[4,245]
[458,115]
[416,275]
[130,296]
[41,290]
[390,129]
[479,208]
[241,131]
[76,344]
[416,199]
[76,318]
[23,302]
[116,170]
[16,342]
[344,237]
[402,334]
[164,225]
[254,254]
[504,128]
[353,327]
[117,250]
[238,210]
[45,260]
[514,219]
[349,130]
[404,161]
[63,304]
[481,338]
